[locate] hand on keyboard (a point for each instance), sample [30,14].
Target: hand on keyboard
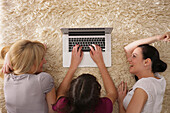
[77,56]
[96,54]
[85,42]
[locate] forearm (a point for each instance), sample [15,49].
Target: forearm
[64,86]
[51,99]
[108,83]
[130,47]
[51,110]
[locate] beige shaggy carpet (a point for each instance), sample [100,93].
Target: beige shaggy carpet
[131,20]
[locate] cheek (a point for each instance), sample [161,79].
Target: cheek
[41,65]
[137,61]
[42,62]
[139,66]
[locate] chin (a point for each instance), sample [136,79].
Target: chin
[131,71]
[39,71]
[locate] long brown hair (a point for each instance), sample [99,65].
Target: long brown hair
[84,94]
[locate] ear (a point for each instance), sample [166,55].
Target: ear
[147,62]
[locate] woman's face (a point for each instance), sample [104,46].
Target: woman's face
[136,61]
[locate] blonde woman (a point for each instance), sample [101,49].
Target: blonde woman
[26,88]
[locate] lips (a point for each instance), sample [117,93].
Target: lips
[131,65]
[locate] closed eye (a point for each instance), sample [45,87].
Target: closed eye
[133,56]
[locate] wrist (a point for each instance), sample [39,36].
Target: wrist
[73,68]
[120,104]
[158,37]
[100,64]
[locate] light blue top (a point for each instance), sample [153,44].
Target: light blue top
[27,93]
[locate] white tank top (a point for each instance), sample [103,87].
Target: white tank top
[155,89]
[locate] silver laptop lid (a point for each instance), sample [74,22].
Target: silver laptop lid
[105,30]
[74,33]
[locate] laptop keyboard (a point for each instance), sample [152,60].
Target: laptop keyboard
[85,42]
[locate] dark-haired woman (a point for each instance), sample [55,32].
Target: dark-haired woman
[82,95]
[147,93]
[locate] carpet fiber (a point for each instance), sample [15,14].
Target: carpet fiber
[131,20]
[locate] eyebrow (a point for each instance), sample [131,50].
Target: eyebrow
[134,54]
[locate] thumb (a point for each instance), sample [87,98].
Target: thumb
[91,54]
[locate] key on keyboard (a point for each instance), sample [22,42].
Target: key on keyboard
[85,42]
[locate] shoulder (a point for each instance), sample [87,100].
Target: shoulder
[150,83]
[149,86]
[143,83]
[44,76]
[46,81]
[105,104]
[106,100]
[162,79]
[61,103]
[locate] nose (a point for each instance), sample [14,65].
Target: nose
[130,59]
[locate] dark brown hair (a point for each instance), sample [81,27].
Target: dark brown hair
[84,94]
[152,53]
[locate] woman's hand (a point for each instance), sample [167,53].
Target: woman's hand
[164,37]
[77,56]
[122,91]
[7,65]
[96,54]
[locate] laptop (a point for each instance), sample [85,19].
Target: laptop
[85,37]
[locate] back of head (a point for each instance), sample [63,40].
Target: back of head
[152,53]
[25,54]
[84,93]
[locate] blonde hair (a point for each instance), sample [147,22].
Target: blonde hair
[24,54]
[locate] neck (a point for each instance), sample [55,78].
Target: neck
[145,74]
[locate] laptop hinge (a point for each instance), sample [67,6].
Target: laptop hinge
[86,33]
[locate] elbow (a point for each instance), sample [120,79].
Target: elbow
[126,49]
[113,96]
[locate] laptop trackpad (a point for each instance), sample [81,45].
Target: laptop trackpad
[87,61]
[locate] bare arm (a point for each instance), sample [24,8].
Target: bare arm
[75,61]
[136,104]
[130,47]
[51,99]
[122,91]
[110,88]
